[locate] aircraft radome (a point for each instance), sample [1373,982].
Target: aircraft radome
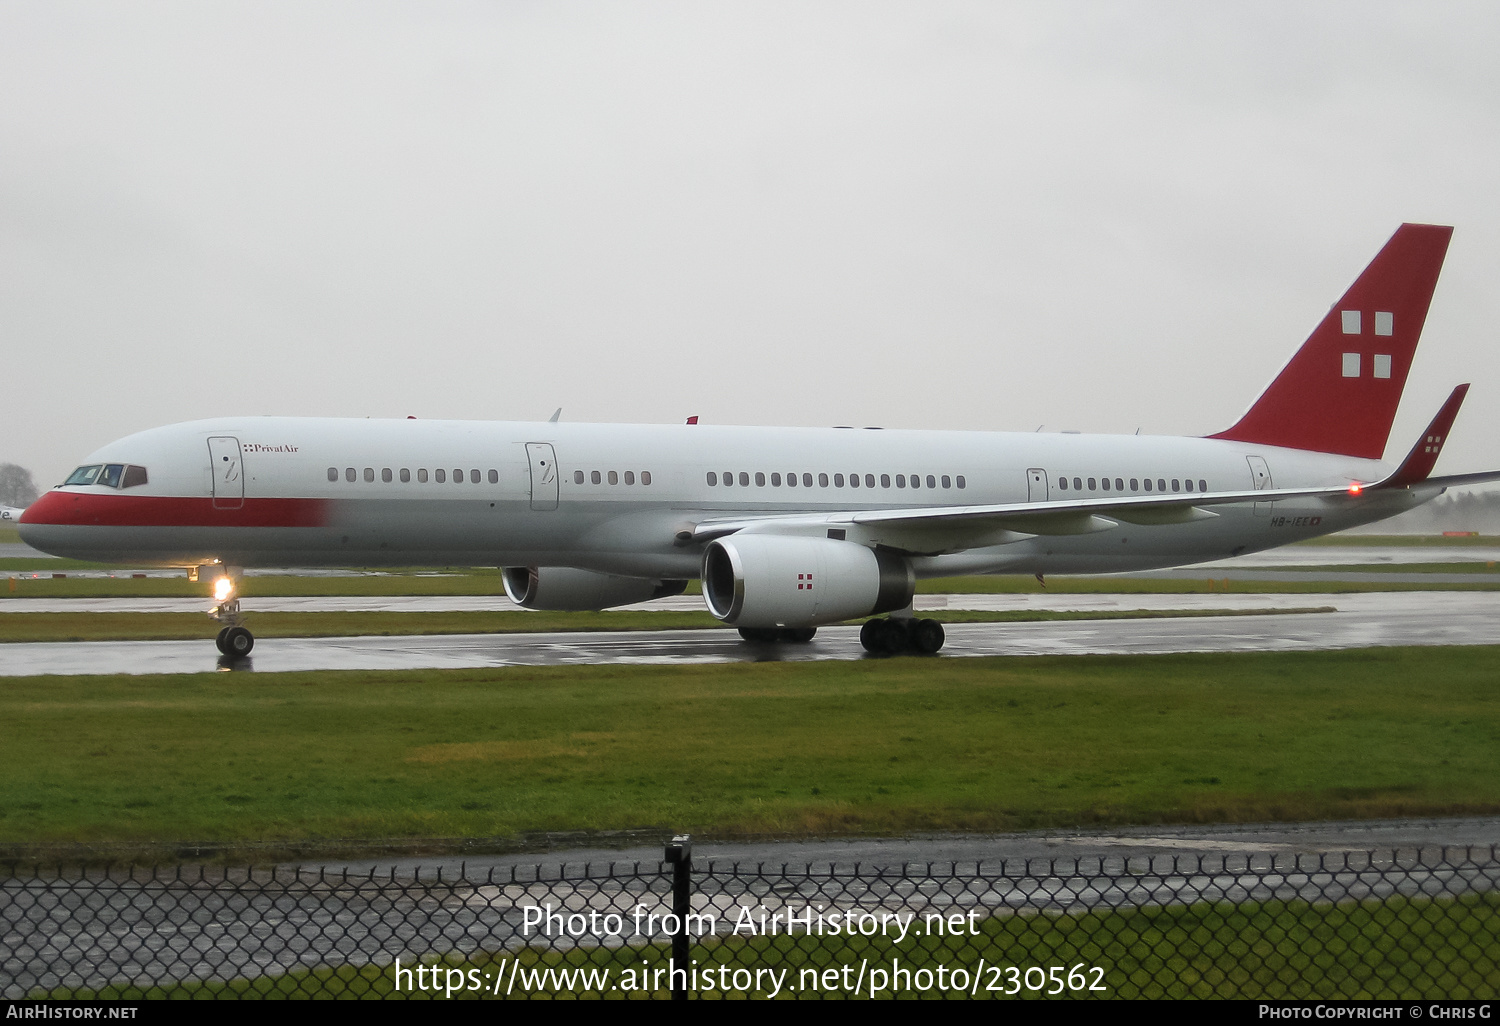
[788,528]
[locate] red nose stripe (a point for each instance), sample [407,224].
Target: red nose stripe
[76,508]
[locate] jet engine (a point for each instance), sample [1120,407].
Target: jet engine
[767,580]
[563,588]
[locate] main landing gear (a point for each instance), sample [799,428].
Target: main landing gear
[895,635]
[235,639]
[764,635]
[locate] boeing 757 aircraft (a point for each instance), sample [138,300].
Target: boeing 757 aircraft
[788,528]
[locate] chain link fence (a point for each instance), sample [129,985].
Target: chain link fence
[1398,924]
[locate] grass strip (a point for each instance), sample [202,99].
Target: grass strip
[1400,948]
[64,627]
[875,747]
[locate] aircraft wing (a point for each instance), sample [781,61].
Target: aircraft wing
[951,528]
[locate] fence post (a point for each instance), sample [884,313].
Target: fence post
[680,855]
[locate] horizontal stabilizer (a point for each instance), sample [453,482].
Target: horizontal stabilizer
[1424,455]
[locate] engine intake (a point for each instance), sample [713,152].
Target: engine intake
[767,580]
[565,589]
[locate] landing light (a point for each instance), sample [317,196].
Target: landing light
[223,588]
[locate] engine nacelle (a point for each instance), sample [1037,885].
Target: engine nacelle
[768,580]
[565,589]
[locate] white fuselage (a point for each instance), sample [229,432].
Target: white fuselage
[269,491]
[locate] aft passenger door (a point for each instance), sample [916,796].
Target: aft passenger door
[227,466]
[1260,479]
[543,475]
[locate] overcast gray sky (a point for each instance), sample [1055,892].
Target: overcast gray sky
[1094,216]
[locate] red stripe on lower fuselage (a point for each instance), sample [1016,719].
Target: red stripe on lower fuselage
[94,509]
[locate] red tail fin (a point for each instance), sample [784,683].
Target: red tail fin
[1340,391]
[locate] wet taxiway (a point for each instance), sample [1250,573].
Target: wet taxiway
[1358,621]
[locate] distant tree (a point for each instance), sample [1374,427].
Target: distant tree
[16,486]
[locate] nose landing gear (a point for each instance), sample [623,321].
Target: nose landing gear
[902,634]
[234,640]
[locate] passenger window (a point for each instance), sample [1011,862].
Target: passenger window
[1062,484]
[838,480]
[595,477]
[885,480]
[869,480]
[385,474]
[369,474]
[1135,485]
[822,480]
[961,482]
[947,481]
[1161,484]
[440,476]
[775,480]
[760,479]
[713,479]
[333,473]
[474,476]
[578,477]
[1176,485]
[1188,485]
[1148,484]
[614,478]
[1093,485]
[405,476]
[1119,485]
[645,477]
[853,480]
[791,480]
[900,480]
[1078,484]
[458,475]
[807,480]
[1202,485]
[630,477]
[931,481]
[494,477]
[744,479]
[1104,481]
[422,476]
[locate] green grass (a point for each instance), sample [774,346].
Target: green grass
[879,747]
[45,627]
[1400,948]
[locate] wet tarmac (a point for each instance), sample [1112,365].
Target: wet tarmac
[1360,620]
[1192,841]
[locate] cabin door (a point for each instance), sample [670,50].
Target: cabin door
[228,472]
[1036,485]
[1260,479]
[543,475]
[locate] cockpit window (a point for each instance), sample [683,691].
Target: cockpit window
[113,475]
[83,475]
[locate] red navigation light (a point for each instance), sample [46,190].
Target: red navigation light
[1355,489]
